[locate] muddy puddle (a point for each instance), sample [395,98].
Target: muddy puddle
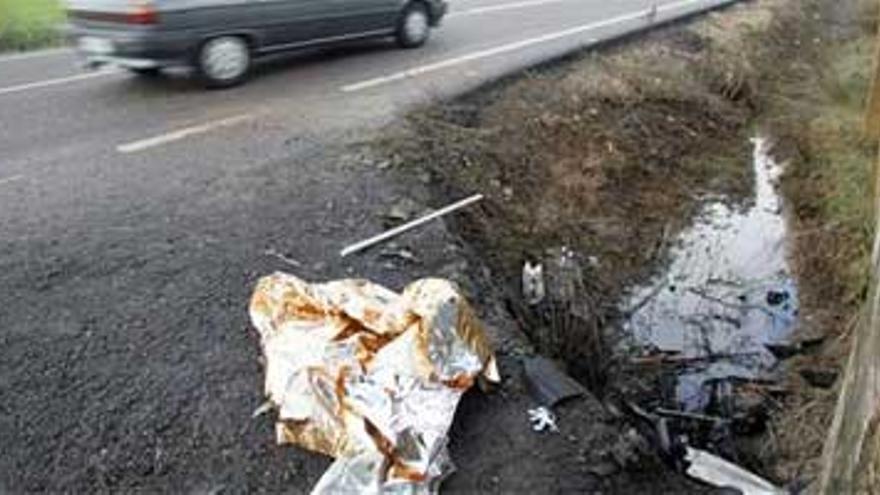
[727,296]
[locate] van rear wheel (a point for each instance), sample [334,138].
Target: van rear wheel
[224,61]
[414,27]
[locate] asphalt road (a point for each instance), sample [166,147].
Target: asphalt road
[135,216]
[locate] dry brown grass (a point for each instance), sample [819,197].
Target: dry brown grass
[869,14]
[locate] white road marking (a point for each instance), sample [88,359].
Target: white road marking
[55,82]
[34,54]
[503,6]
[7,180]
[179,134]
[518,45]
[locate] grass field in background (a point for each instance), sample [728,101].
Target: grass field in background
[26,24]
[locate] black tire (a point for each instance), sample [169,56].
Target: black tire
[224,61]
[414,26]
[146,71]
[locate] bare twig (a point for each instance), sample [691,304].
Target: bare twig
[689,415]
[635,308]
[286,259]
[728,304]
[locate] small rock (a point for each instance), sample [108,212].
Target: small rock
[398,253]
[403,210]
[604,469]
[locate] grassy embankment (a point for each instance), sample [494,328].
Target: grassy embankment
[815,104]
[27,24]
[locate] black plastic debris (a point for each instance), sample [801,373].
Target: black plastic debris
[777,297]
[548,384]
[819,378]
[787,350]
[657,430]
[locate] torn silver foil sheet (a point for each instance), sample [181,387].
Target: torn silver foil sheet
[369,376]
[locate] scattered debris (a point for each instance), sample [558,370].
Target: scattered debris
[786,350]
[533,283]
[542,419]
[677,359]
[559,278]
[369,376]
[264,408]
[360,246]
[560,314]
[819,378]
[399,253]
[691,416]
[283,257]
[565,277]
[548,384]
[674,447]
[723,474]
[656,430]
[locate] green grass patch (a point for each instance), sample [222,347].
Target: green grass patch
[26,24]
[813,91]
[840,163]
[815,105]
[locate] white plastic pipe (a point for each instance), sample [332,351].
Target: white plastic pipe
[396,231]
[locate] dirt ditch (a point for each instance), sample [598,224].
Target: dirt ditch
[645,179]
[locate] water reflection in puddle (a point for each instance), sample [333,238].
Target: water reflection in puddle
[726,294]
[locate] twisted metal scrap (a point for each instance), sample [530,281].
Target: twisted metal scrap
[369,376]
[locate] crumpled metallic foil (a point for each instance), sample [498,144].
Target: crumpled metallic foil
[369,377]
